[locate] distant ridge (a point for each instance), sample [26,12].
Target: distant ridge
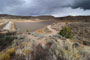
[25,17]
[46,17]
[75,18]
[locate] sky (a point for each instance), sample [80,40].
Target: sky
[57,8]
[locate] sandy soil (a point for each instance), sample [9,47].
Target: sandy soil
[29,20]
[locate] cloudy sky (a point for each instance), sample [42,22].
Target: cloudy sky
[45,7]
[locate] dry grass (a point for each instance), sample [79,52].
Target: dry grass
[7,55]
[26,44]
[41,31]
[4,56]
[66,51]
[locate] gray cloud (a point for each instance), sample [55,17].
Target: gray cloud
[8,3]
[84,4]
[44,7]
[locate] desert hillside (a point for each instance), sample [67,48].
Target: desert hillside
[44,38]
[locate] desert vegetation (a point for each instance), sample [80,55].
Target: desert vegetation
[61,40]
[66,32]
[81,32]
[55,49]
[7,54]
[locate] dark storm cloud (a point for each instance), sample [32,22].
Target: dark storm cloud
[84,4]
[41,7]
[44,7]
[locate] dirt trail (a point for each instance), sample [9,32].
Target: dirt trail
[54,32]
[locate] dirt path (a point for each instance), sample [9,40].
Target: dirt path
[54,32]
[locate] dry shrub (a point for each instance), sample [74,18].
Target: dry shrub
[64,50]
[7,55]
[26,44]
[11,51]
[27,30]
[27,51]
[41,31]
[4,56]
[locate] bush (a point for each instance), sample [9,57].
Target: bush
[66,32]
[27,30]
[7,55]
[11,51]
[4,56]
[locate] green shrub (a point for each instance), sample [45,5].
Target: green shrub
[66,32]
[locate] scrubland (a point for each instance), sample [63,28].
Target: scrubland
[57,41]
